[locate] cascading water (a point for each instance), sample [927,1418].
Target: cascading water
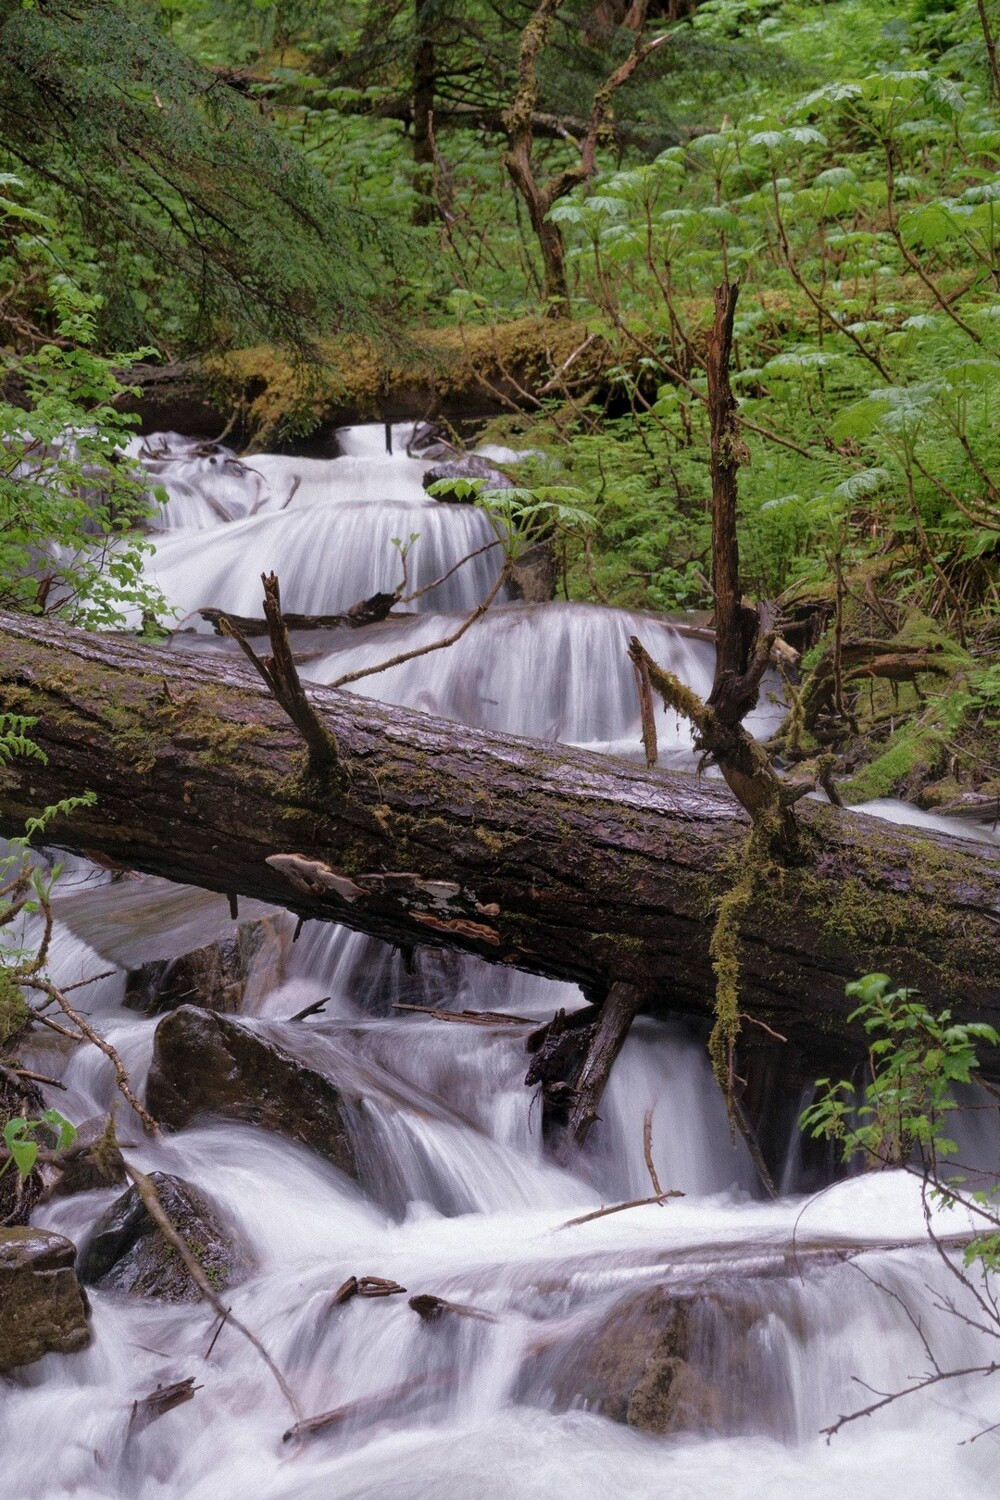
[695,1347]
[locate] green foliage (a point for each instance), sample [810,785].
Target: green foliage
[207,225]
[917,1061]
[522,515]
[69,507]
[20,1138]
[917,1058]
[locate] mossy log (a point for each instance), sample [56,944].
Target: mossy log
[550,859]
[262,395]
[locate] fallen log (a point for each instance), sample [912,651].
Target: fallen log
[546,858]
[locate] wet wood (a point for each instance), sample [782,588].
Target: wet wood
[469,1017]
[617,1014]
[619,1208]
[538,856]
[162,1400]
[430,1308]
[382,1404]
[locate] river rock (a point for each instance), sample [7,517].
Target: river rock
[466,466]
[127,1252]
[669,1362]
[221,976]
[43,1308]
[92,1161]
[207,1063]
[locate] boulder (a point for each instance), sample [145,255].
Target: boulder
[534,577]
[669,1361]
[92,1161]
[466,466]
[204,1062]
[43,1308]
[127,1252]
[221,976]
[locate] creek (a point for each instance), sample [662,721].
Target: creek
[691,1348]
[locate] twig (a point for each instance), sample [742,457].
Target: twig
[427,587]
[617,1208]
[756,1021]
[910,1390]
[80,983]
[121,1073]
[395,661]
[55,1083]
[311,1010]
[647,1151]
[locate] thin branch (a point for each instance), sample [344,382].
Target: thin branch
[101,1043]
[456,635]
[617,1208]
[146,1189]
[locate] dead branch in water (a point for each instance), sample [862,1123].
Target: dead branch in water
[469,1017]
[449,640]
[618,1208]
[147,1408]
[151,1200]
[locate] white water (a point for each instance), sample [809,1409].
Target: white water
[456,1194]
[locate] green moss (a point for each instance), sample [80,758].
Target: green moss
[14,1012]
[494,842]
[913,750]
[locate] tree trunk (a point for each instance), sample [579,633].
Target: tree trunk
[550,859]
[735,626]
[424,82]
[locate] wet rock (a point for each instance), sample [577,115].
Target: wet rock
[43,1308]
[534,578]
[92,1161]
[221,976]
[127,1252]
[466,466]
[206,1063]
[669,1362]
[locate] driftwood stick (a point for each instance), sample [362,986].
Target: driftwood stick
[647,1151]
[314,1009]
[430,1307]
[617,1208]
[469,1017]
[640,667]
[151,1199]
[364,1406]
[147,1408]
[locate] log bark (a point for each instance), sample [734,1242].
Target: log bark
[546,858]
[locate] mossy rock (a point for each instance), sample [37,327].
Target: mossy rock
[127,1252]
[43,1308]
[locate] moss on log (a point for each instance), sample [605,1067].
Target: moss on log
[546,858]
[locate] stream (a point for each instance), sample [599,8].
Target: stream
[752,1323]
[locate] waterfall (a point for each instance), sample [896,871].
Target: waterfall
[692,1347]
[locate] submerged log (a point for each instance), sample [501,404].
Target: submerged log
[546,858]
